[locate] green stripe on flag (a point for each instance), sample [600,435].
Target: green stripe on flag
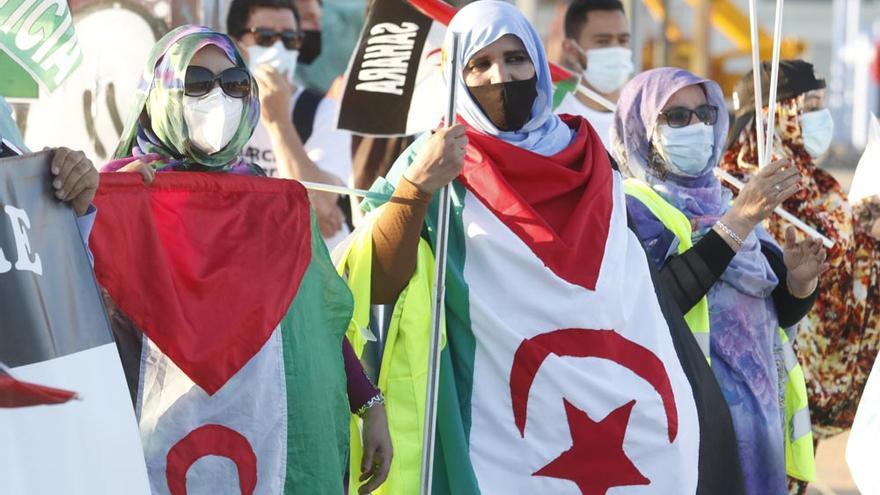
[562,88]
[317,397]
[39,35]
[453,472]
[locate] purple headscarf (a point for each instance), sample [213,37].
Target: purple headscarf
[702,199]
[744,324]
[635,121]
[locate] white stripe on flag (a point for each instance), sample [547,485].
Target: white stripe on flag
[534,301]
[253,403]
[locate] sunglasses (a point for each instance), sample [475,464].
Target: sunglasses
[265,37]
[681,116]
[235,81]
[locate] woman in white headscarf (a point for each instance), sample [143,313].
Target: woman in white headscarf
[530,293]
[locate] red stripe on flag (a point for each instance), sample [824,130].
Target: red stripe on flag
[559,206]
[206,265]
[15,393]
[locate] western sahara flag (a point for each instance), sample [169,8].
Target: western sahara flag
[230,317]
[565,371]
[54,332]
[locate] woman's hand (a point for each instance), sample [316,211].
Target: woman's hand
[376,461]
[758,198]
[805,261]
[143,166]
[440,160]
[765,191]
[75,179]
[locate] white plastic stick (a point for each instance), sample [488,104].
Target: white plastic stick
[774,83]
[349,191]
[756,73]
[589,93]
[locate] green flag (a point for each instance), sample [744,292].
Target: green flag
[39,35]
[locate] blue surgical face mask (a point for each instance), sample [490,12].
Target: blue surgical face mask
[817,129]
[686,150]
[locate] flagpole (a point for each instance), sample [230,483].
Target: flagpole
[774,82]
[596,97]
[438,312]
[756,78]
[349,191]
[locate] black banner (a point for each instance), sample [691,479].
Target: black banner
[49,302]
[381,75]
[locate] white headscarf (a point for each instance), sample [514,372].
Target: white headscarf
[480,24]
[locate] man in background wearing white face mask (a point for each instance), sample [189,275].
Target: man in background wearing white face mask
[297,136]
[597,45]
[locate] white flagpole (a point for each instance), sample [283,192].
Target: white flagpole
[589,93]
[774,83]
[349,191]
[733,181]
[756,76]
[439,310]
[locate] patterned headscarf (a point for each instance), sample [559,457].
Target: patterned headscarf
[156,124]
[741,159]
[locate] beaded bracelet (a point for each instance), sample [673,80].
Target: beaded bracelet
[730,233]
[376,400]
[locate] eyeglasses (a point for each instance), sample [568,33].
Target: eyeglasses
[235,81]
[681,116]
[291,39]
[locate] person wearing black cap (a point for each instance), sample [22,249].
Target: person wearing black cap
[838,340]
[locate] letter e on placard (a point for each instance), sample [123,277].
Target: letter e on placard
[20,221]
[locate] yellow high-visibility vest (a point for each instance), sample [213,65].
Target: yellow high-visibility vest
[800,460]
[698,316]
[403,376]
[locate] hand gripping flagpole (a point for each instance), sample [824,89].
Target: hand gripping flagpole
[439,310]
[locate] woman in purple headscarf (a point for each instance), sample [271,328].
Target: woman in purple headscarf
[668,136]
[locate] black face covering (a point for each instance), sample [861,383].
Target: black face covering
[509,104]
[311,47]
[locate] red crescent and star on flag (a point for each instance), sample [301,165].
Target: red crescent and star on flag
[596,460]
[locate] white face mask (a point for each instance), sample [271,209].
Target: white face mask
[275,56]
[686,150]
[817,129]
[608,69]
[212,119]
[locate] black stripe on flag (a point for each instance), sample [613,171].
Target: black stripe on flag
[49,301]
[382,72]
